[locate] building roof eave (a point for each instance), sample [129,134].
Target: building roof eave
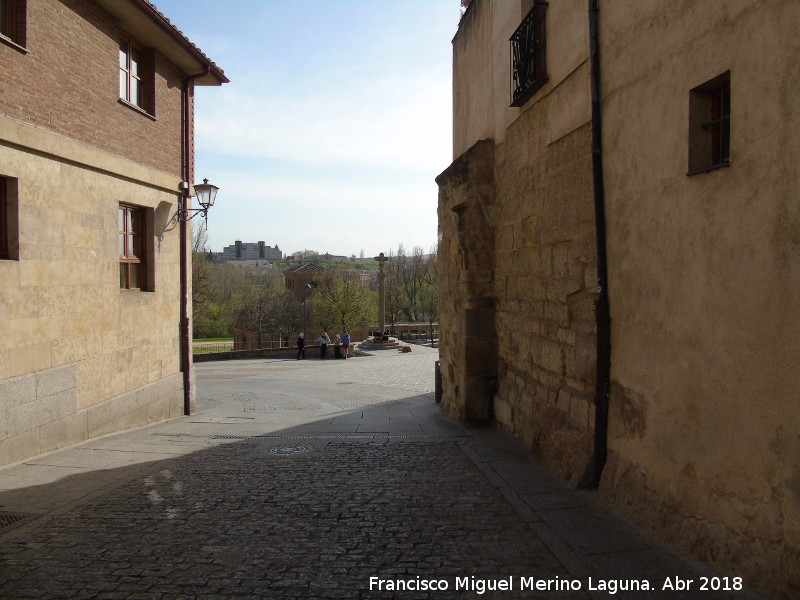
[142,20]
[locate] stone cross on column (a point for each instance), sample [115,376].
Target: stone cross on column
[381,292]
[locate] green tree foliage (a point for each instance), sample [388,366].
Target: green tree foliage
[202,289]
[218,290]
[225,295]
[311,255]
[205,314]
[341,301]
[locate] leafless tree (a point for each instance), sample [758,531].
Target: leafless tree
[411,272]
[255,314]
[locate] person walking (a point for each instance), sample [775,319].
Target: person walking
[323,340]
[346,343]
[301,347]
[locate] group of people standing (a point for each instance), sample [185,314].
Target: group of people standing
[340,343]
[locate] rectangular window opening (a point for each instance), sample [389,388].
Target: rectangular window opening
[13,21]
[136,75]
[135,252]
[710,125]
[9,223]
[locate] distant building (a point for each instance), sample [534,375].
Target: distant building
[251,250]
[333,258]
[297,277]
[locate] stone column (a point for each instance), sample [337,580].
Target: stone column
[381,258]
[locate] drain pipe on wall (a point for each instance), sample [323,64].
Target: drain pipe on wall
[602,310]
[185,200]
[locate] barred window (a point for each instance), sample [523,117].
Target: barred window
[529,55]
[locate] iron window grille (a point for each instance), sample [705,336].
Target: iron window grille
[529,55]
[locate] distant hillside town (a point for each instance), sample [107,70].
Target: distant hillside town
[259,251]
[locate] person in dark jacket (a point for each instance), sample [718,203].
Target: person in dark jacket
[323,340]
[301,347]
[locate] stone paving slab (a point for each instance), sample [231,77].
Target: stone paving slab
[318,479]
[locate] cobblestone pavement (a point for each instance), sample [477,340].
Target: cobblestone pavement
[317,479]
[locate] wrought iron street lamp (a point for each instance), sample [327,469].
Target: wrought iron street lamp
[206,193]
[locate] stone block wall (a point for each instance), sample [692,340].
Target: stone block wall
[39,411]
[467,329]
[517,241]
[518,282]
[545,281]
[703,266]
[80,357]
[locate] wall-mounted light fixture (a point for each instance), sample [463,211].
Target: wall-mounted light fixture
[206,193]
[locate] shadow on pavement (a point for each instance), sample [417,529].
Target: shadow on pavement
[349,506]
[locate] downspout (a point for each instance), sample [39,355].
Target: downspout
[602,311]
[185,201]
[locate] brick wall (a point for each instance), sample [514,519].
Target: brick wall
[69,83]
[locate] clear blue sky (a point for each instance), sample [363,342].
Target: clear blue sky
[336,121]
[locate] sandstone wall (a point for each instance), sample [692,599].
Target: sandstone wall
[545,284]
[703,269]
[79,357]
[704,272]
[517,259]
[467,328]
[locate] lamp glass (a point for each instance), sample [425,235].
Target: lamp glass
[206,193]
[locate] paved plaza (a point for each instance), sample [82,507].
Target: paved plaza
[320,479]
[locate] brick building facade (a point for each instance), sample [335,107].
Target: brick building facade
[96,114]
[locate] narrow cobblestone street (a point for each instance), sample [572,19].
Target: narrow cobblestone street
[316,479]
